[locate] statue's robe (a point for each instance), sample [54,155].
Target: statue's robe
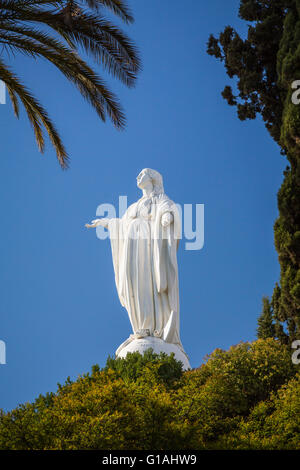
[145,265]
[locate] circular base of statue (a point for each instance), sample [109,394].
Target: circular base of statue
[158,345]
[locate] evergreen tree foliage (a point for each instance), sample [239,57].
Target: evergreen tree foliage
[266,327]
[265,64]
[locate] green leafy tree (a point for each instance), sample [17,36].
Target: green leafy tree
[167,370]
[148,403]
[218,395]
[59,31]
[265,64]
[273,424]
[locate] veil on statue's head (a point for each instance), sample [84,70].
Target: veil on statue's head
[157,181]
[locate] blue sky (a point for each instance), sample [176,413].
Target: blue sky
[59,310]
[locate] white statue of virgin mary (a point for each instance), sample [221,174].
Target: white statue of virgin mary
[144,246]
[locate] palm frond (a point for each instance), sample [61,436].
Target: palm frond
[35,112]
[118,7]
[14,100]
[71,26]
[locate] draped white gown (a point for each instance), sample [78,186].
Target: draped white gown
[145,265]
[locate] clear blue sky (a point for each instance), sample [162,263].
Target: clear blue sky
[59,310]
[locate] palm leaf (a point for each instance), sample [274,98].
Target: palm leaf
[35,112]
[73,27]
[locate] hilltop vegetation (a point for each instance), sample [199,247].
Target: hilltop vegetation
[247,397]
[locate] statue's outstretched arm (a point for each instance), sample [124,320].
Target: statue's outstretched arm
[95,223]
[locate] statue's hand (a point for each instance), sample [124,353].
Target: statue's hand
[93,224]
[166,219]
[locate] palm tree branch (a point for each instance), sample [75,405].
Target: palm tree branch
[118,7]
[80,25]
[14,99]
[101,30]
[35,112]
[103,52]
[93,26]
[90,85]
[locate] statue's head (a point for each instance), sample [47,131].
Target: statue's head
[148,176]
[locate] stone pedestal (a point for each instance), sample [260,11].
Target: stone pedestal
[158,346]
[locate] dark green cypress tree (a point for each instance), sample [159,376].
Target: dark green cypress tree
[265,65]
[266,327]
